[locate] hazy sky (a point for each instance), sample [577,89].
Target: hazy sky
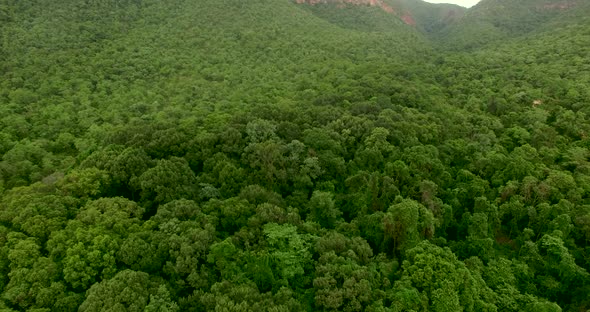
[465,3]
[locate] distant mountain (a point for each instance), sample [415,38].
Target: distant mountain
[386,15]
[431,18]
[447,25]
[492,20]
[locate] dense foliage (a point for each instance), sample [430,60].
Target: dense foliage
[235,155]
[492,21]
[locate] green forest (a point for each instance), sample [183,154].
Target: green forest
[274,155]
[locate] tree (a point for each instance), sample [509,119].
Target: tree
[225,174]
[559,265]
[124,166]
[322,209]
[33,279]
[141,251]
[36,211]
[26,162]
[118,215]
[289,249]
[168,180]
[185,235]
[232,214]
[89,183]
[88,245]
[267,157]
[437,274]
[127,290]
[446,299]
[406,222]
[344,279]
[161,302]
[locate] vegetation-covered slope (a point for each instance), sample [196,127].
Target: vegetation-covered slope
[491,21]
[255,155]
[387,15]
[432,18]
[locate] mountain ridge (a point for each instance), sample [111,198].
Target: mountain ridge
[457,27]
[422,15]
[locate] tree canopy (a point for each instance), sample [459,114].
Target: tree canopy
[277,155]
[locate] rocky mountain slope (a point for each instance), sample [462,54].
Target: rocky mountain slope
[425,17]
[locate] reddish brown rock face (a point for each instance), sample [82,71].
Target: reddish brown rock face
[406,17]
[374,3]
[377,3]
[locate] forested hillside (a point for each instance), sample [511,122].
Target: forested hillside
[493,21]
[275,155]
